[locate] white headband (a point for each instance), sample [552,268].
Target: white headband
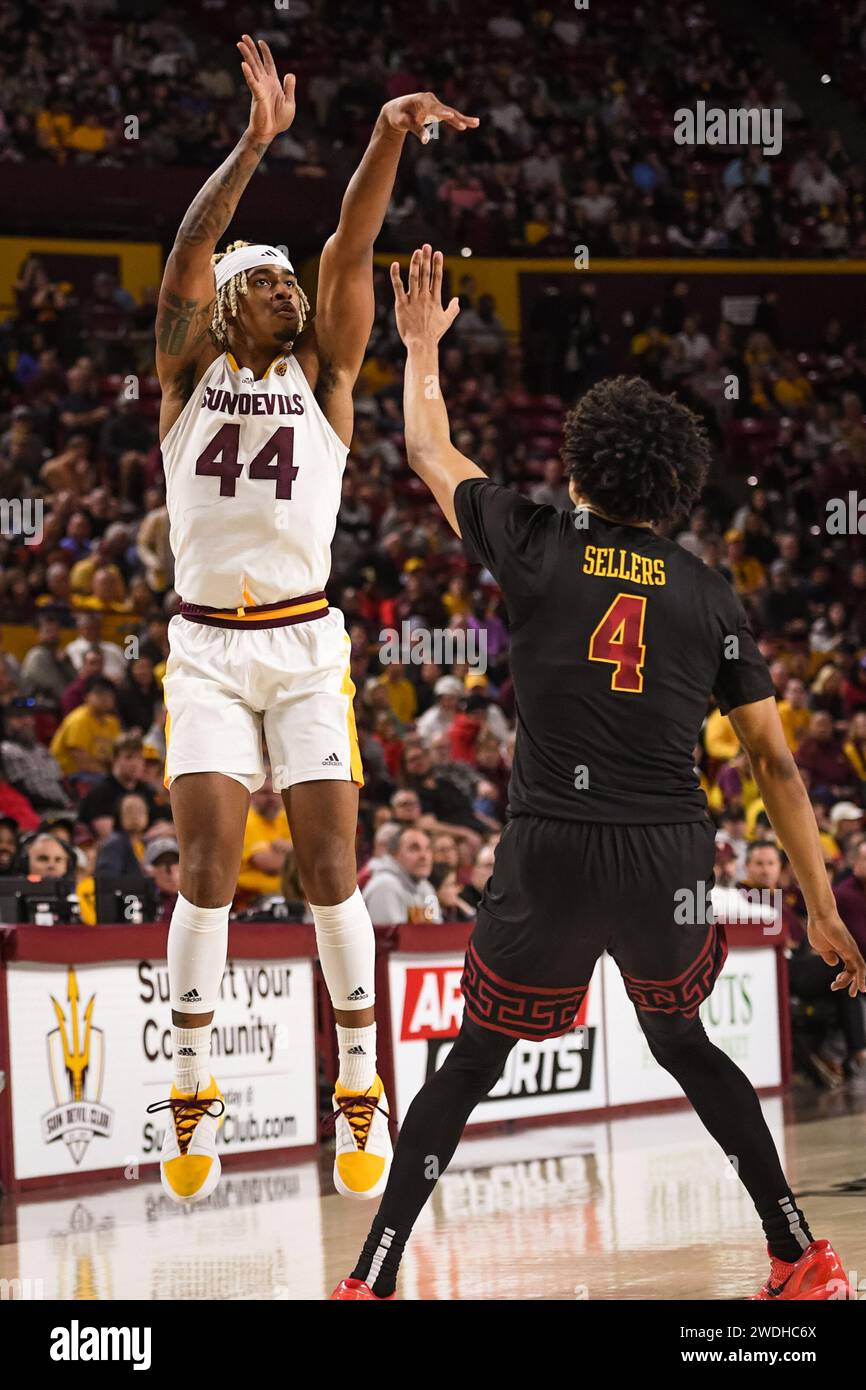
[245,258]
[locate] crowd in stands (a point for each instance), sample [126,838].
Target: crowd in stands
[83,738]
[576,145]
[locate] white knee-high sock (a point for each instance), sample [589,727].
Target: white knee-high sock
[197,950]
[347,952]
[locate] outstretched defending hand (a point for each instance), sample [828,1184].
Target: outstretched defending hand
[420,315]
[414,112]
[273,106]
[836,946]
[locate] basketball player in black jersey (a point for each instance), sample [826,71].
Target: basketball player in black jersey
[619,640]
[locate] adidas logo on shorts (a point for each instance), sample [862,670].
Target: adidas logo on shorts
[357,1051]
[331,761]
[186,1052]
[359,993]
[191,997]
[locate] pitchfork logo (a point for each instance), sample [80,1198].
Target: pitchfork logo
[76,1063]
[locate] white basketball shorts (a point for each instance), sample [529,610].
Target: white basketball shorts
[233,679]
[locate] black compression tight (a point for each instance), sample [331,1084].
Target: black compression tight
[720,1093]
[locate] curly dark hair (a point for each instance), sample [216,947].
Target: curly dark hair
[633,453]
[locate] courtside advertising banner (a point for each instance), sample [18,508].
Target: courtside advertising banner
[90,1049]
[741,1017]
[554,1077]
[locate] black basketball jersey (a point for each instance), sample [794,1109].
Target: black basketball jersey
[619,638]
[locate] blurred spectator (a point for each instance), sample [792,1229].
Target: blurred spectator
[481,871]
[46,671]
[440,716]
[162,864]
[821,758]
[452,906]
[98,808]
[76,692]
[46,856]
[15,804]
[794,713]
[83,743]
[554,490]
[8,845]
[139,694]
[400,889]
[89,626]
[122,854]
[29,766]
[267,842]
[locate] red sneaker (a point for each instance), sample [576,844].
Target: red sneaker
[355,1290]
[817,1275]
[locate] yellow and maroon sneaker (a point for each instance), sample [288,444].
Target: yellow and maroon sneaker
[189,1164]
[364,1153]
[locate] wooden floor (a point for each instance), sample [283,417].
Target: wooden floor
[635,1208]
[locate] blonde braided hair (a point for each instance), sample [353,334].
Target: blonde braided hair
[226,301]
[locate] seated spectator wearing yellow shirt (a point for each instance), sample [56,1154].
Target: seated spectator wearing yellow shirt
[267,841]
[794,712]
[720,740]
[457,600]
[401,692]
[537,228]
[85,740]
[792,390]
[747,573]
[649,341]
[53,128]
[89,136]
[107,591]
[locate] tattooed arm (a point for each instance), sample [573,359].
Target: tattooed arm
[184,347]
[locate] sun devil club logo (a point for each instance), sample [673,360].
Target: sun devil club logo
[76,1064]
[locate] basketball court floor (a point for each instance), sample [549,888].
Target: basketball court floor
[639,1207]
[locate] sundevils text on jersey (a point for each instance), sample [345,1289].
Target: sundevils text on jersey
[253,474]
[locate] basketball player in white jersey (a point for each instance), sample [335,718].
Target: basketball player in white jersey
[254,437]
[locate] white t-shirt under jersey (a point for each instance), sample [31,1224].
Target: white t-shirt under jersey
[253,481]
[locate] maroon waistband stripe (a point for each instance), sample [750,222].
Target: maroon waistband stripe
[259,616]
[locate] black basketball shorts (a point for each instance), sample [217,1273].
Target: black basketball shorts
[561,892]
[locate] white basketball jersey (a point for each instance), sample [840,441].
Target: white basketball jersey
[253,478]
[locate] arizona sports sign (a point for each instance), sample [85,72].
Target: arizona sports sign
[556,1076]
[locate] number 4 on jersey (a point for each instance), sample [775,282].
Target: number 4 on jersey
[618,639]
[274,460]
